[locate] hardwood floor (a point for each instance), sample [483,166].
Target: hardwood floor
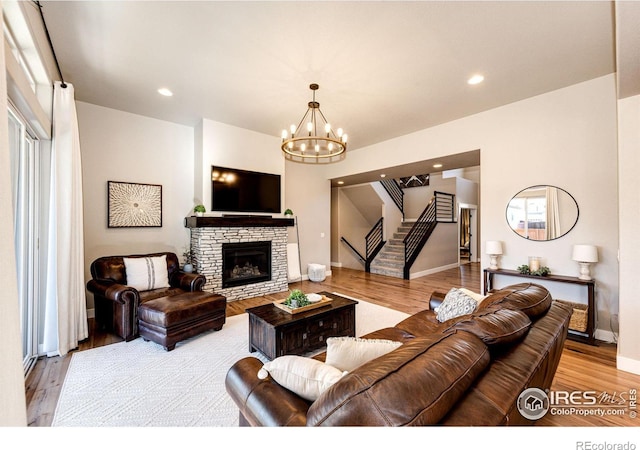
[582,367]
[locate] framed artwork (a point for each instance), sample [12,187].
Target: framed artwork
[134,205]
[414,181]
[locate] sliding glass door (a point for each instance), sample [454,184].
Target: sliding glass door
[24,159]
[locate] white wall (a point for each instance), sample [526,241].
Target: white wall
[416,199]
[14,411]
[629,200]
[565,138]
[119,146]
[353,226]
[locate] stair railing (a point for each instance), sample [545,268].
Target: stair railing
[439,209]
[395,192]
[374,241]
[353,249]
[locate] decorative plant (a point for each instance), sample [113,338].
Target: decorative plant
[199,209]
[188,255]
[288,212]
[541,272]
[296,299]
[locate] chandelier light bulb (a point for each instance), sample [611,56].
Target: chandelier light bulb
[327,128]
[290,145]
[344,138]
[285,134]
[340,132]
[309,127]
[303,147]
[330,146]
[293,130]
[317,148]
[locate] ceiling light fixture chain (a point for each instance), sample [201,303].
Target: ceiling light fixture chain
[314,147]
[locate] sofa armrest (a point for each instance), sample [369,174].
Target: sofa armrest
[188,281]
[263,402]
[110,290]
[436,299]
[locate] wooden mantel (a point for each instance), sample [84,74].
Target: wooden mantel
[237,221]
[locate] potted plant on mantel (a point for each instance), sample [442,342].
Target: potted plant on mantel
[199,210]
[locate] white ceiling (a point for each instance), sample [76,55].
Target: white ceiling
[385,68]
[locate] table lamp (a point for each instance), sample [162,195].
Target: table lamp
[585,255]
[493,249]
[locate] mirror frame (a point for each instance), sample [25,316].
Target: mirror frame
[542,186]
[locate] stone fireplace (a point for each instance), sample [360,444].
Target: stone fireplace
[241,257]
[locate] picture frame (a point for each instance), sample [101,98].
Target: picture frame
[133,205]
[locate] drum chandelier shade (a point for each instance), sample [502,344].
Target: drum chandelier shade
[314,140]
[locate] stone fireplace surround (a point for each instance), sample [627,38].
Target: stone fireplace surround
[209,233]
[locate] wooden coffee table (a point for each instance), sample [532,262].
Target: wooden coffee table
[275,332]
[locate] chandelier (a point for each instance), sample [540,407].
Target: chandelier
[314,140]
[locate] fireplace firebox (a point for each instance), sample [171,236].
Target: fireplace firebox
[245,263]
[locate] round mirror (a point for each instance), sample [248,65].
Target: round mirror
[542,213]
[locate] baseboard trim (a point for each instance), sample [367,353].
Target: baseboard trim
[628,364]
[432,271]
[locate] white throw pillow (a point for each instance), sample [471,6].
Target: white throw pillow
[147,273]
[474,295]
[456,303]
[347,353]
[306,377]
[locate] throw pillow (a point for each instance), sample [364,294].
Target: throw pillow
[347,353]
[306,377]
[456,303]
[147,273]
[474,295]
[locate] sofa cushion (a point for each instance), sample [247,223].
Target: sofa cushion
[416,384]
[532,299]
[456,303]
[306,377]
[147,273]
[494,326]
[347,353]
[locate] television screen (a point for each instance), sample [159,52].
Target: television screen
[235,190]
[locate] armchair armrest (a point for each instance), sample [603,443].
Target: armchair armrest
[113,291]
[263,402]
[436,299]
[188,281]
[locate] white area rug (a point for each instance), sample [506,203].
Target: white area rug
[139,384]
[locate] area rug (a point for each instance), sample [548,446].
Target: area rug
[139,384]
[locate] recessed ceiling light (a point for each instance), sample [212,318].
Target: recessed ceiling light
[340,182]
[382,175]
[437,166]
[476,79]
[166,92]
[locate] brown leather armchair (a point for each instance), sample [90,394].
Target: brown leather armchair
[116,304]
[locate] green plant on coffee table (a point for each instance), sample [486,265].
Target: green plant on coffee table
[541,272]
[296,299]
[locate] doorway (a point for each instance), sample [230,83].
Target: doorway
[467,234]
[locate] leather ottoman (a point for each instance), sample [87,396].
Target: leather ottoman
[168,320]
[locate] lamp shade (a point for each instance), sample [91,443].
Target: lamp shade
[585,253]
[493,248]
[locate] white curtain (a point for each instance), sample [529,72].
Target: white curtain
[66,308]
[553,213]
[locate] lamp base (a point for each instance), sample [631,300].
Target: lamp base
[585,272]
[493,263]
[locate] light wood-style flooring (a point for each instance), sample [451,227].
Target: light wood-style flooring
[582,367]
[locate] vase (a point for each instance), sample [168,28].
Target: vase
[188,268]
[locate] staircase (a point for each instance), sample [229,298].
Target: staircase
[390,260]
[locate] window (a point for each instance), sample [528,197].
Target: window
[24,160]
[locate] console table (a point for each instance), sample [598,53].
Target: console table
[589,335]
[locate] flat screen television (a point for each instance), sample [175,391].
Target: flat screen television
[244,191]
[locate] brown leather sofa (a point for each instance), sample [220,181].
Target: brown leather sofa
[116,304]
[466,371]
